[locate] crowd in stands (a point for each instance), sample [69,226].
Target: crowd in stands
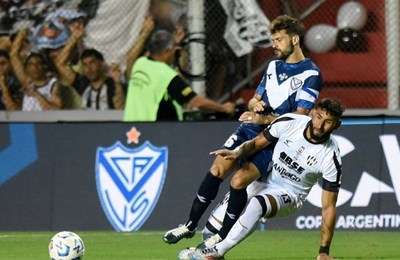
[72,76]
[50,67]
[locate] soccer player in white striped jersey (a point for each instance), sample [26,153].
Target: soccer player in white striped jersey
[305,151]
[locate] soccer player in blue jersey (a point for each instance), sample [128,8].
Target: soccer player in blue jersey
[291,83]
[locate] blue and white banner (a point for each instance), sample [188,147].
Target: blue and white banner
[102,176]
[129,182]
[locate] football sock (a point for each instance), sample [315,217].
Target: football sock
[237,202]
[245,225]
[209,230]
[207,192]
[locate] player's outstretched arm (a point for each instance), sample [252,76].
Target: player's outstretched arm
[245,150]
[328,199]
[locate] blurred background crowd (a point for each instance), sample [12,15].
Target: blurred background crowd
[52,50]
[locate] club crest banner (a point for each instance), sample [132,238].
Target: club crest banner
[129,182]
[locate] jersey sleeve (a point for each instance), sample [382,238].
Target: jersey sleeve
[310,90]
[180,91]
[279,126]
[332,172]
[261,86]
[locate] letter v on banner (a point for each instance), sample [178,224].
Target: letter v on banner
[391,149]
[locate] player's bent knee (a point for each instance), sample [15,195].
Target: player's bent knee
[221,169]
[240,182]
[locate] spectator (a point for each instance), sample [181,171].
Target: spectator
[157,92]
[71,98]
[138,47]
[98,90]
[71,20]
[10,95]
[41,92]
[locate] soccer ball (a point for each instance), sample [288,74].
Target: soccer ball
[184,254]
[66,245]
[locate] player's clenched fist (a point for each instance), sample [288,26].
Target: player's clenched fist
[259,106]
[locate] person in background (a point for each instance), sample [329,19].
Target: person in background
[41,92]
[10,94]
[157,92]
[291,83]
[139,45]
[305,152]
[99,89]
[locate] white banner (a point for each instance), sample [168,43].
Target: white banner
[246,27]
[115,28]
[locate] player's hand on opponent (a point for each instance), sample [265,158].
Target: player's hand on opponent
[251,118]
[227,154]
[324,257]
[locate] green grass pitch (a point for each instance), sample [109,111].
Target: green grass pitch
[260,245]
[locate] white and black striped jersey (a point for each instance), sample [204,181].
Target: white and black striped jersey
[298,163]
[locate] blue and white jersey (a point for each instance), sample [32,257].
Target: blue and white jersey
[284,88]
[298,163]
[287,86]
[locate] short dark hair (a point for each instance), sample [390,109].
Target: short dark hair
[92,53]
[5,54]
[332,106]
[36,55]
[292,26]
[160,40]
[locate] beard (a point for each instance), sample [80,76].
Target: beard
[284,54]
[318,138]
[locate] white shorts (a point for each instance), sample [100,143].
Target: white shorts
[287,202]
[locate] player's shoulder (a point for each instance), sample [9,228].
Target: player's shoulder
[273,63]
[334,142]
[310,64]
[293,118]
[332,147]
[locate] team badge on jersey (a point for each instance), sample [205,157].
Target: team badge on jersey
[283,76]
[296,83]
[129,182]
[311,160]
